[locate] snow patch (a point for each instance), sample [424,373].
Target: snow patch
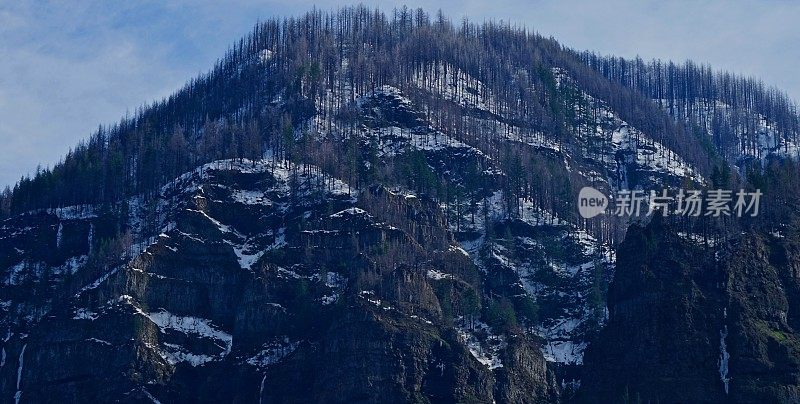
[18,395]
[188,325]
[724,357]
[337,283]
[77,212]
[191,325]
[351,212]
[273,352]
[99,341]
[85,314]
[436,275]
[59,235]
[482,344]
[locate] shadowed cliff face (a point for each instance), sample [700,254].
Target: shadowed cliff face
[698,322]
[661,341]
[267,282]
[763,311]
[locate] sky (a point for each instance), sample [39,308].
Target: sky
[68,66]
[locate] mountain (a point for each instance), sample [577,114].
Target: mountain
[352,206]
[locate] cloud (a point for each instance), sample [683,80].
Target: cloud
[69,66]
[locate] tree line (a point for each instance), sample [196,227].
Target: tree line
[261,95]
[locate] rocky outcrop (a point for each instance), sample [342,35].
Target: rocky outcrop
[698,323]
[260,290]
[661,343]
[762,337]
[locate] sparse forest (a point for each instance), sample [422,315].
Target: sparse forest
[260,95]
[739,115]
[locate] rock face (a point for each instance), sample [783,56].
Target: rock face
[665,306]
[267,283]
[691,323]
[762,337]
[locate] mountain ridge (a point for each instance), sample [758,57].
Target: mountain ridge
[384,209]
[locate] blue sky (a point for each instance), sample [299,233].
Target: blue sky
[68,66]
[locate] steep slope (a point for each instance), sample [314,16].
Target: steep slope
[696,319]
[742,118]
[244,256]
[356,208]
[260,267]
[665,310]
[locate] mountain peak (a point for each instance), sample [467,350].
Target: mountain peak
[359,207]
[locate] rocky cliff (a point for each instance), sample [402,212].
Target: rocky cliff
[352,209]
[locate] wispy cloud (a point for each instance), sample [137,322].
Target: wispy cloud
[68,66]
